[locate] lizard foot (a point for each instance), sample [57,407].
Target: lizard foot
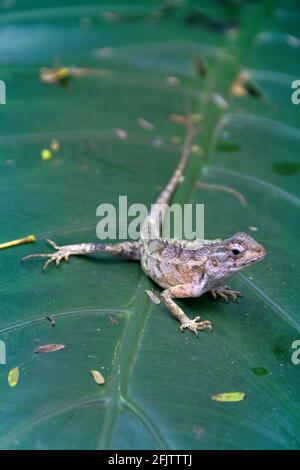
[195,325]
[62,253]
[225,292]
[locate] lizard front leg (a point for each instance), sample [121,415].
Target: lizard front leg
[129,250]
[225,292]
[183,291]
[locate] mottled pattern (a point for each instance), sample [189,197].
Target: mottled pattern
[182,268]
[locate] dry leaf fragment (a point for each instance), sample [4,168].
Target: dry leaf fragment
[145,124]
[178,119]
[99,379]
[219,101]
[172,81]
[46,348]
[243,85]
[153,297]
[228,396]
[54,145]
[13,377]
[58,75]
[121,134]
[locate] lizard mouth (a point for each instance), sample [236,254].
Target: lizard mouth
[261,254]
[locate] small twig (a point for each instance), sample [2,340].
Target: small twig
[28,239]
[51,320]
[225,189]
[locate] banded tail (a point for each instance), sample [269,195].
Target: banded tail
[151,225]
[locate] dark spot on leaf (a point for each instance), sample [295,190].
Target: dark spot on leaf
[260,371]
[200,66]
[253,89]
[281,348]
[227,146]
[286,168]
[201,18]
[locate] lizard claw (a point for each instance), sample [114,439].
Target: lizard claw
[53,244]
[62,253]
[225,292]
[195,325]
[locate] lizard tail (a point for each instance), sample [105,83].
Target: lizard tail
[166,195]
[151,226]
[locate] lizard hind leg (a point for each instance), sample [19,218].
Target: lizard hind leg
[130,250]
[183,291]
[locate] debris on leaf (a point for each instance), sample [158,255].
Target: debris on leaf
[157,143]
[85,22]
[198,431]
[228,396]
[292,41]
[200,66]
[99,379]
[51,320]
[46,154]
[153,297]
[28,239]
[105,53]
[196,149]
[219,101]
[111,16]
[54,145]
[13,377]
[196,118]
[182,120]
[172,81]
[121,134]
[175,140]
[60,75]
[243,85]
[178,119]
[145,124]
[253,89]
[47,348]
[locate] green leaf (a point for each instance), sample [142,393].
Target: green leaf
[158,382]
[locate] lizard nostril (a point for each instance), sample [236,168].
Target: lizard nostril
[260,250]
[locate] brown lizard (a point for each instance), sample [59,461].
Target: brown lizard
[182,268]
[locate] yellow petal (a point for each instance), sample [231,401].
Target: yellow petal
[228,396]
[46,154]
[13,376]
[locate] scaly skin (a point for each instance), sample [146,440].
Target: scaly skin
[182,268]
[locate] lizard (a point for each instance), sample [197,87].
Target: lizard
[183,268]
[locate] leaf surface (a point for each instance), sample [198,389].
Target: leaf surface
[159,382]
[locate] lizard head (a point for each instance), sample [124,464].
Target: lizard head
[231,255]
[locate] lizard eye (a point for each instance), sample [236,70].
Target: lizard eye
[236,251]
